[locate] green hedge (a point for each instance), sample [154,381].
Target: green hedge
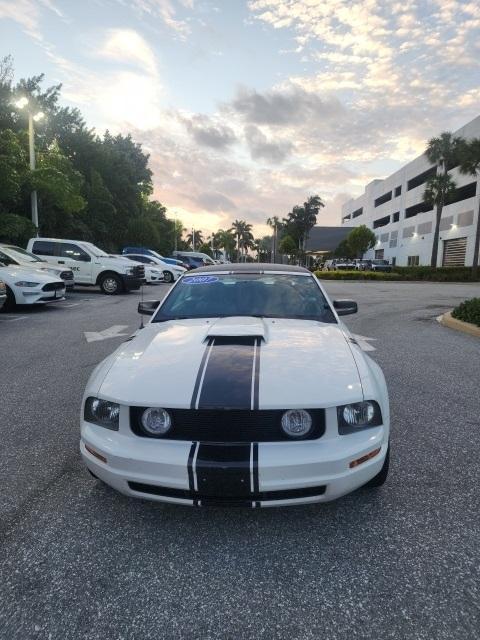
[431,274]
[468,311]
[356,275]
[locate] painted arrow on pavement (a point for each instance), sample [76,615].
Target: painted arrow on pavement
[112,332]
[363,342]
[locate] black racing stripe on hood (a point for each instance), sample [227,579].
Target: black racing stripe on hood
[227,380]
[200,374]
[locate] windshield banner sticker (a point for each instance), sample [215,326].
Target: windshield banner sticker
[199,279]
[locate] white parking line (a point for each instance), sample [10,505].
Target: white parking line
[111,332]
[13,318]
[363,342]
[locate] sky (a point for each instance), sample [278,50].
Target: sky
[247,107]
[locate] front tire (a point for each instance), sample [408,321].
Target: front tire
[111,284]
[10,302]
[380,478]
[168,277]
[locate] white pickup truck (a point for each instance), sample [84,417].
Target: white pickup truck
[90,265]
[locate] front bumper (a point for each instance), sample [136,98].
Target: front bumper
[132,283]
[255,475]
[25,296]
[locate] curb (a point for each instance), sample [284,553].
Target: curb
[452,323]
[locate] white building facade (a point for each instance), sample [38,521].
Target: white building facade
[394,209]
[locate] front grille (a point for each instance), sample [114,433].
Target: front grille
[139,271]
[66,275]
[212,425]
[53,286]
[224,500]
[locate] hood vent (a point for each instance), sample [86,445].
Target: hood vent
[238,326]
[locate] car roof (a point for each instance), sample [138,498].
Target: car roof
[252,267]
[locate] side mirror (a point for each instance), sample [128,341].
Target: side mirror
[148,307]
[345,307]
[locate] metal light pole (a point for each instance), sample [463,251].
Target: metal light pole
[23,102]
[175,231]
[31,146]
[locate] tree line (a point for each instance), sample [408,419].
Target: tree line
[90,187]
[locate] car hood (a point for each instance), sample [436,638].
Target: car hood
[22,271]
[301,363]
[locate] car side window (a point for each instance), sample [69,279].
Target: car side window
[6,260]
[74,252]
[43,248]
[143,259]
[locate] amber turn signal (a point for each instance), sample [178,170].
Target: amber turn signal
[364,458]
[95,453]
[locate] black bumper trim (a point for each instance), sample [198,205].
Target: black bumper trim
[132,282]
[259,496]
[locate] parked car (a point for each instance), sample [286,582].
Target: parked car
[376,265]
[249,424]
[170,272]
[25,285]
[91,266]
[338,263]
[12,255]
[194,258]
[3,294]
[152,275]
[143,251]
[361,264]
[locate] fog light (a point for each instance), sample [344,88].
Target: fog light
[156,421]
[296,423]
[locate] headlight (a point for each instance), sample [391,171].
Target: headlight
[102,412]
[156,421]
[358,415]
[296,423]
[26,283]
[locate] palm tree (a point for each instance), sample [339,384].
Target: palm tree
[301,219]
[276,224]
[470,165]
[224,239]
[243,232]
[444,152]
[194,238]
[437,192]
[312,208]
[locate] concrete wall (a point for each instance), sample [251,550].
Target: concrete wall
[464,223]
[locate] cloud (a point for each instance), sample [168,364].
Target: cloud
[126,45]
[27,13]
[292,105]
[206,132]
[213,201]
[261,148]
[166,10]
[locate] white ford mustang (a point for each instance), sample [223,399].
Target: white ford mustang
[245,388]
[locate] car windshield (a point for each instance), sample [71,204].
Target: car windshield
[247,294]
[20,255]
[98,253]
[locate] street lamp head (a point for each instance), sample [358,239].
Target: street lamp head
[38,116]
[21,103]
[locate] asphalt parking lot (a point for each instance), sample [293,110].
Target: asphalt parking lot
[78,560]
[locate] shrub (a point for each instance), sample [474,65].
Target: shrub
[430,274]
[468,311]
[356,275]
[437,274]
